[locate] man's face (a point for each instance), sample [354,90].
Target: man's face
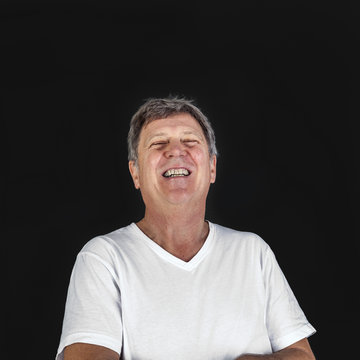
[174,166]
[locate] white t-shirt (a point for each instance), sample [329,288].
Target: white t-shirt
[130,295]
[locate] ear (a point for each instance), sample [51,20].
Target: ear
[213,169]
[134,171]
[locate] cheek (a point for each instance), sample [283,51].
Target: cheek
[200,157]
[150,169]
[153,161]
[198,154]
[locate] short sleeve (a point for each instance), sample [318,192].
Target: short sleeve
[286,323]
[93,305]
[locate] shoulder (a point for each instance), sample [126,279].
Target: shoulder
[233,237]
[240,246]
[108,246]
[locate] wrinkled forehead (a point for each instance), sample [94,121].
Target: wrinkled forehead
[183,118]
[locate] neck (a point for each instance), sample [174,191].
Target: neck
[182,233]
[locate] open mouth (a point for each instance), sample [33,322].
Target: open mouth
[176,173]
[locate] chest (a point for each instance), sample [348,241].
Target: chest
[209,313]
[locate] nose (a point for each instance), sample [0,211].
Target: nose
[175,149]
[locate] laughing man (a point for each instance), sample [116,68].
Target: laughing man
[173,285]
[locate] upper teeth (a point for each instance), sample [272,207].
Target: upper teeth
[176,172]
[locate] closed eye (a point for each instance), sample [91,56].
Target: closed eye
[158,143]
[190,141]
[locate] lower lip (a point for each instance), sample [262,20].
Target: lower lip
[176,177]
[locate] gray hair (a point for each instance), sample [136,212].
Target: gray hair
[155,109]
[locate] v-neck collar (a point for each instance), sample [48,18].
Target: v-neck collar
[185,265]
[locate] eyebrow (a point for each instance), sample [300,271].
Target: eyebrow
[196,133]
[154,136]
[186,132]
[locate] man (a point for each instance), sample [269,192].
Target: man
[174,286]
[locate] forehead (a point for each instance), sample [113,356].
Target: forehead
[175,123]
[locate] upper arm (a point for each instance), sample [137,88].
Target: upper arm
[285,321]
[93,305]
[82,351]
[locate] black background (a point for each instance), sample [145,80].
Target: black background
[279,81]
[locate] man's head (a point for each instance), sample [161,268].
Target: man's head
[172,153]
[154,109]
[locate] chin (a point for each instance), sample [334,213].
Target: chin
[183,198]
[178,200]
[177,196]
